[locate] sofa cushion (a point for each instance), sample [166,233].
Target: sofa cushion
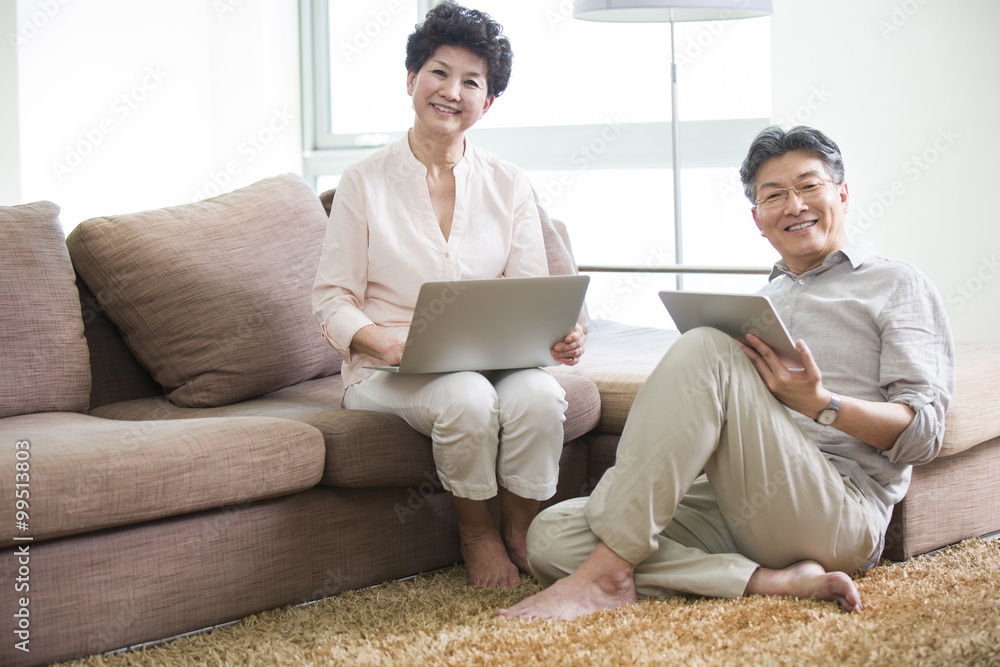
[559,253]
[362,448]
[89,473]
[214,297]
[973,416]
[618,359]
[43,353]
[115,373]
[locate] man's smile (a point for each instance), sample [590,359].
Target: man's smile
[800,225]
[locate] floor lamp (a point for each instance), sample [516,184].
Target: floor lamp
[671,11]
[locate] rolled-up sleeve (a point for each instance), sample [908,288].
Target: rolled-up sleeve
[917,367]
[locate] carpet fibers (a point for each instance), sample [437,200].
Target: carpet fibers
[939,609]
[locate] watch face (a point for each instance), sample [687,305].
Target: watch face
[827,417]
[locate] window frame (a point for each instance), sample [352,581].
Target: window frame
[704,143]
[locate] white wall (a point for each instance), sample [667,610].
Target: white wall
[174,100]
[127,106]
[10,164]
[910,90]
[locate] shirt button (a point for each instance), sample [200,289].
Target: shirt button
[447,255]
[929,392]
[802,281]
[788,306]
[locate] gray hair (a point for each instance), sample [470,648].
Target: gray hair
[774,142]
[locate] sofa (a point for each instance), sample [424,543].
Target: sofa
[174,451]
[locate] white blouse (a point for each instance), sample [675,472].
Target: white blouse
[383,241]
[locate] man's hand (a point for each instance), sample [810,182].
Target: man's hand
[801,390]
[569,350]
[875,423]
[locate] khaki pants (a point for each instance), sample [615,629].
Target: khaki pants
[713,478]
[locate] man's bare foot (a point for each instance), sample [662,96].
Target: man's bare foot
[603,581]
[488,564]
[807,580]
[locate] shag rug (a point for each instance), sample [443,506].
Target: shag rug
[939,609]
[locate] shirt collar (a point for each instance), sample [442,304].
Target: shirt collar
[403,148]
[856,253]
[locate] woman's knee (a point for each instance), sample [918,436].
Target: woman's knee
[472,402]
[533,392]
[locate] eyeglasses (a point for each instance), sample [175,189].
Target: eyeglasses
[773,198]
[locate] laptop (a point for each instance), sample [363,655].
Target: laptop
[480,325]
[736,315]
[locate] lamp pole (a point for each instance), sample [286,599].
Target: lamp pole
[660,11]
[676,146]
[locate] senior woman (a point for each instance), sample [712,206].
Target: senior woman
[434,207]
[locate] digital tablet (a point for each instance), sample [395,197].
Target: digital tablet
[734,314]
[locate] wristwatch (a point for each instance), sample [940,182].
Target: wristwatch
[829,415]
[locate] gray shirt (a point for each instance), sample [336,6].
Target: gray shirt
[878,331]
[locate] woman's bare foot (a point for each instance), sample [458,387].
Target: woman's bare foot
[603,581]
[517,550]
[482,547]
[807,580]
[516,514]
[487,562]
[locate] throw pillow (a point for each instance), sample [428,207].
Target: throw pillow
[214,297]
[43,353]
[559,253]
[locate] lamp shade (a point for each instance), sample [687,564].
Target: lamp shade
[653,11]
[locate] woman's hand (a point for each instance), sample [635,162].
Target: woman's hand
[569,350]
[378,343]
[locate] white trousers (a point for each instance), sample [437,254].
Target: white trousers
[485,428]
[712,479]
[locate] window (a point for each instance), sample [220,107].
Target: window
[587,116]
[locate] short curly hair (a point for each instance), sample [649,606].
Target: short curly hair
[450,24]
[774,142]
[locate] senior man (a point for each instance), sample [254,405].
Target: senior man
[735,475]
